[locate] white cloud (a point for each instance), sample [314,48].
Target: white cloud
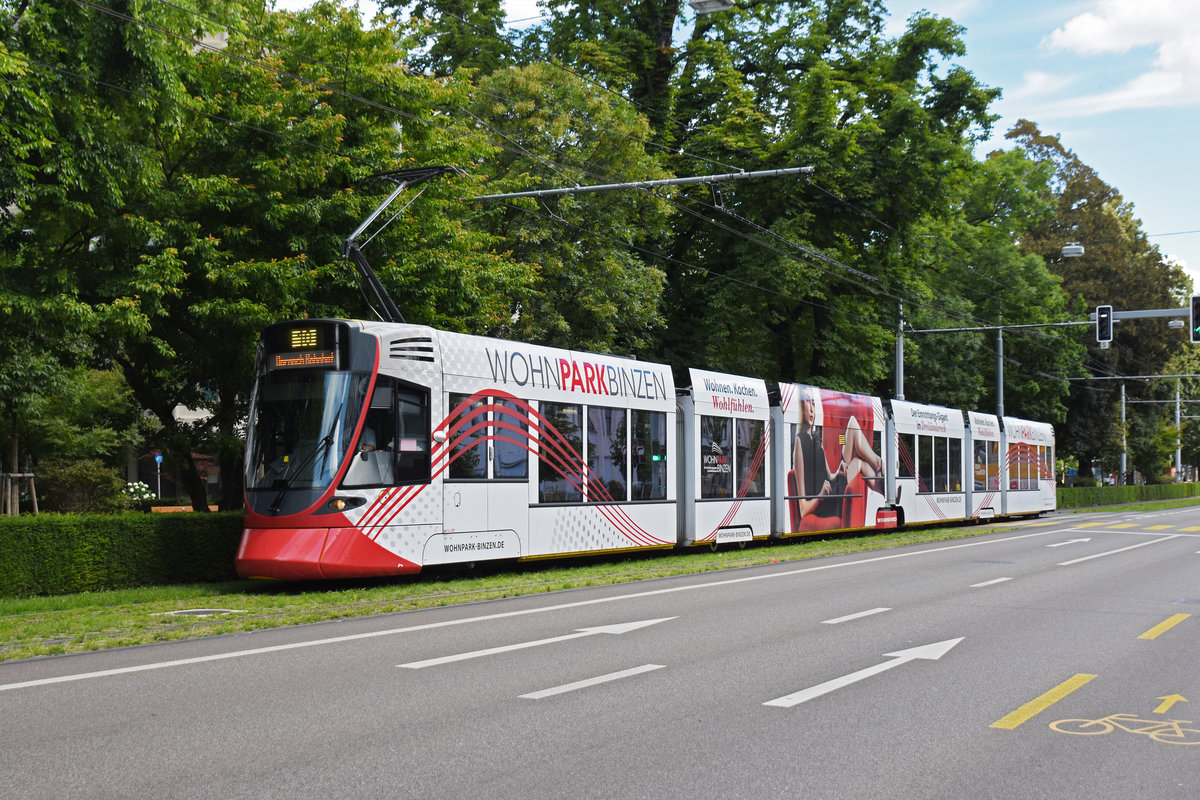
[1115,28]
[1038,84]
[1148,90]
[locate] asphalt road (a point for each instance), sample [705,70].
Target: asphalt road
[938,670]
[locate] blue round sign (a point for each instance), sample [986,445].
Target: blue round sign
[158,458]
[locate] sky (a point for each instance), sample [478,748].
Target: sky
[1117,80]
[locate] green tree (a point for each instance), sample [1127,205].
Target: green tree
[628,48]
[448,35]
[889,137]
[974,274]
[93,415]
[1186,361]
[1152,442]
[242,182]
[1120,268]
[788,279]
[597,286]
[67,150]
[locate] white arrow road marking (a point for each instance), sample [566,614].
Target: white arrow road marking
[932,652]
[1121,550]
[624,627]
[1069,541]
[596,681]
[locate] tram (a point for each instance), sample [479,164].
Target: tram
[380,448]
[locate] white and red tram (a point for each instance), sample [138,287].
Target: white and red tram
[381,448]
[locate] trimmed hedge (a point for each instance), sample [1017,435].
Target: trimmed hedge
[1086,496]
[65,553]
[53,554]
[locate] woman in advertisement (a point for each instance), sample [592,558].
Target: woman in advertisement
[823,493]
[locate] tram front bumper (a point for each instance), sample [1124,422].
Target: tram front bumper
[297,554]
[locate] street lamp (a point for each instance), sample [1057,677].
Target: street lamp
[702,7]
[1072,250]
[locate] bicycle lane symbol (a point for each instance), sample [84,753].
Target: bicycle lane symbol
[1167,731]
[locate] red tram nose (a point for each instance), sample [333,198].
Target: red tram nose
[315,553]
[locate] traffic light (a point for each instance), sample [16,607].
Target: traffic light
[1194,335]
[1104,320]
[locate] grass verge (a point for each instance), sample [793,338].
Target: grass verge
[41,626]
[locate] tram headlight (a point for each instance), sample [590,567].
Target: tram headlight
[343,503]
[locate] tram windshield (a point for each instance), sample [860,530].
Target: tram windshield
[301,427]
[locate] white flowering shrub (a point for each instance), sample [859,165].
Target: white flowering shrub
[139,494]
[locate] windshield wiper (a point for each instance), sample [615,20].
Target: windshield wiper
[327,443]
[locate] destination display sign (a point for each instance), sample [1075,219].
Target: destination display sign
[312,346]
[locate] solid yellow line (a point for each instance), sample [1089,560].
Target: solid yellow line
[1164,626]
[1040,704]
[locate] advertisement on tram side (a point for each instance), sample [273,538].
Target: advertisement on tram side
[834,459]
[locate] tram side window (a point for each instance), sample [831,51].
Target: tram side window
[510,452]
[750,458]
[468,450]
[716,473]
[956,465]
[560,454]
[993,479]
[607,454]
[1016,467]
[941,465]
[979,465]
[648,478]
[925,462]
[907,457]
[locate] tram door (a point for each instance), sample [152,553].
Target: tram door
[487,481]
